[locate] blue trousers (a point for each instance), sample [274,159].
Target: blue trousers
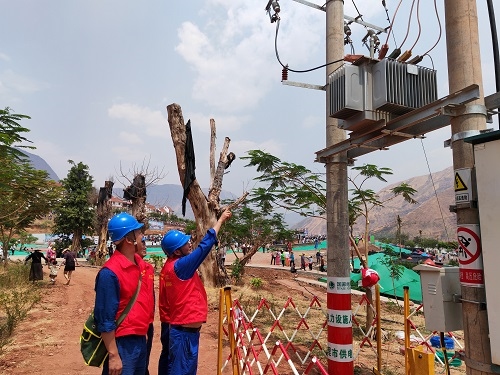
[183,352]
[149,345]
[163,361]
[133,352]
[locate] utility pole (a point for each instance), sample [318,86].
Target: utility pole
[464,68]
[340,357]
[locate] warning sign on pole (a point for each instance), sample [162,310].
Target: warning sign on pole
[470,255]
[463,185]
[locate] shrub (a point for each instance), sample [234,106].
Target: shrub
[256,282]
[237,270]
[157,261]
[17,297]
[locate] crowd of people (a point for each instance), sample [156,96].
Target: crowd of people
[286,258]
[36,268]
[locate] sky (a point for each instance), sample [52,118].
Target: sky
[96,77]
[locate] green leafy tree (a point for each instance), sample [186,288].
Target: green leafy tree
[27,194]
[295,188]
[287,185]
[253,226]
[396,270]
[75,214]
[367,199]
[11,137]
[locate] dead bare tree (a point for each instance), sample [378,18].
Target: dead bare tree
[103,214]
[136,188]
[205,209]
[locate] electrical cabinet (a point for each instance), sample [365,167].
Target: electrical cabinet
[439,285]
[486,156]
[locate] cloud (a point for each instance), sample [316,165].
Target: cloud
[241,147]
[312,122]
[223,123]
[233,57]
[152,122]
[130,138]
[4,57]
[13,85]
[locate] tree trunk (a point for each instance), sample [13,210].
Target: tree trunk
[76,243]
[204,218]
[137,194]
[103,215]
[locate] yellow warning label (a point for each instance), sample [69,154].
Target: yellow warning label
[459,183]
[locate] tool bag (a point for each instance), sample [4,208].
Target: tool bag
[92,346]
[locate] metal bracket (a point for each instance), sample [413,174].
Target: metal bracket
[465,134]
[480,366]
[457,298]
[304,85]
[401,134]
[464,109]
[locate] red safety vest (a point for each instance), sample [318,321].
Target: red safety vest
[138,318]
[181,301]
[162,298]
[149,281]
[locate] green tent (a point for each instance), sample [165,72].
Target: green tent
[408,278]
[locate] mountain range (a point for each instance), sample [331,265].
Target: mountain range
[430,217]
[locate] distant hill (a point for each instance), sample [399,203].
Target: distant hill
[38,163]
[431,214]
[171,195]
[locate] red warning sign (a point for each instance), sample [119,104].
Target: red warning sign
[469,255]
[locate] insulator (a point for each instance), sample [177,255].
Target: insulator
[394,54]
[284,74]
[405,56]
[416,60]
[383,51]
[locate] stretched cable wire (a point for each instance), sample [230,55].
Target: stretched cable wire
[292,70]
[440,29]
[391,23]
[435,193]
[409,23]
[430,57]
[419,26]
[359,14]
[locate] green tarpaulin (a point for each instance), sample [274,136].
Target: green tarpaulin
[409,278]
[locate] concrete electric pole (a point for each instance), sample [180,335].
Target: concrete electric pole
[464,69]
[340,353]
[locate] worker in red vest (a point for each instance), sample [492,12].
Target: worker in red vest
[116,284]
[183,299]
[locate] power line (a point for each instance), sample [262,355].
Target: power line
[435,192]
[286,66]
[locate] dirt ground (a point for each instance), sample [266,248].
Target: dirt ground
[47,342]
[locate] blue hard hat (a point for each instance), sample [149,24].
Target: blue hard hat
[121,224]
[173,240]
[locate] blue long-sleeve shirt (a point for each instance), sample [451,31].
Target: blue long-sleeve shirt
[107,299]
[186,266]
